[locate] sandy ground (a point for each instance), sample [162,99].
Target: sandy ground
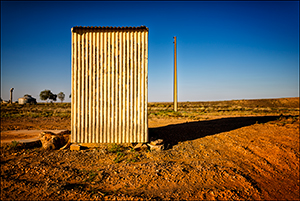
[8,136]
[223,158]
[21,135]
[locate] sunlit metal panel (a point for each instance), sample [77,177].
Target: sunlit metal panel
[109,84]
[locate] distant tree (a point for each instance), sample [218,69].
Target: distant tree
[27,95]
[53,97]
[47,94]
[44,95]
[61,96]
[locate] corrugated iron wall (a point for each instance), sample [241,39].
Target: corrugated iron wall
[109,85]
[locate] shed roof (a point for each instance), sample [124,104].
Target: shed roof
[92,28]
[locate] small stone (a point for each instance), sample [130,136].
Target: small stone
[51,140]
[75,147]
[140,147]
[156,147]
[157,142]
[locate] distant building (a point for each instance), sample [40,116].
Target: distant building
[27,99]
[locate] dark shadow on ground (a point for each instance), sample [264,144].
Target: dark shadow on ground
[172,134]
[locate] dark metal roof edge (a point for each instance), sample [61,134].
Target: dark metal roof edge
[90,28]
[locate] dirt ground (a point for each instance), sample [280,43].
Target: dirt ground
[222,158]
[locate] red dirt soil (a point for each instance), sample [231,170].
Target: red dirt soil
[229,158]
[223,158]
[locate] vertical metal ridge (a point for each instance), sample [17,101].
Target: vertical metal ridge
[131,88]
[112,95]
[127,88]
[94,74]
[120,87]
[108,87]
[98,113]
[82,133]
[77,107]
[124,133]
[134,88]
[113,133]
[79,94]
[146,85]
[75,84]
[73,79]
[90,90]
[117,99]
[85,89]
[116,88]
[143,87]
[105,119]
[101,99]
[138,97]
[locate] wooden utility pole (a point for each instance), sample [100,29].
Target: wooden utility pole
[175,76]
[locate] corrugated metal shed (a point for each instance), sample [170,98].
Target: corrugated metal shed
[109,84]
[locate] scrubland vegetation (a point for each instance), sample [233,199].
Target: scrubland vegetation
[191,110]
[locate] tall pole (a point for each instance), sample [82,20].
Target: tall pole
[175,76]
[11,95]
[11,91]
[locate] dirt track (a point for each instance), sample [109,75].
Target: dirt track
[225,158]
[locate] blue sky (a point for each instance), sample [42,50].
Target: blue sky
[225,50]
